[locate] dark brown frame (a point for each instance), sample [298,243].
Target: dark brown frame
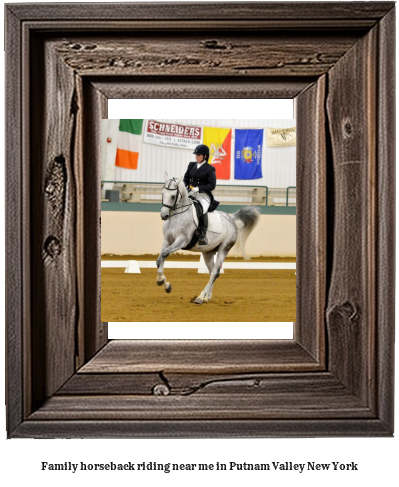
[336,376]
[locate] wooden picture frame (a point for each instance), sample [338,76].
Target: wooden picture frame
[335,378]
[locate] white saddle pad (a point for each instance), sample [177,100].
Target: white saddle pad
[214,221]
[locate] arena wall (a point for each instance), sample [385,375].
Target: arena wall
[137,233]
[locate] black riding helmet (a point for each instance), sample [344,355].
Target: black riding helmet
[202,150]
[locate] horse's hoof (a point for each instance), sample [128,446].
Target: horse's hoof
[160,283]
[205,300]
[198,300]
[168,289]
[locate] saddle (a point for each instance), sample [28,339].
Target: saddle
[197,231]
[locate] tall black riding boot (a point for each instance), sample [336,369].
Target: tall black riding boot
[203,240]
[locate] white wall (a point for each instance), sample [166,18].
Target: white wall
[278,163]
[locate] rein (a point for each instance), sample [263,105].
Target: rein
[175,207]
[178,208]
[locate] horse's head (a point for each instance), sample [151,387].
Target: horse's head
[173,192]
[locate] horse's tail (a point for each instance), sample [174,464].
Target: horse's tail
[246,219]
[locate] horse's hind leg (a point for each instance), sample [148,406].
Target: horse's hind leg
[209,259]
[214,270]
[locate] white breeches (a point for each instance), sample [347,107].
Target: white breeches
[204,199]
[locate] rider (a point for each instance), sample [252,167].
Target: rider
[200,177]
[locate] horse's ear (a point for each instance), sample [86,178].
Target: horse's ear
[166,177]
[179,181]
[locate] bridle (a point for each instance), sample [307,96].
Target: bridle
[172,189]
[178,193]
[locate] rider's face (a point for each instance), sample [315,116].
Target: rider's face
[199,158]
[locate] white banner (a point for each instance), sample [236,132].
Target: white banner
[169,134]
[281,137]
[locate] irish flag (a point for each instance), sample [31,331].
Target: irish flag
[219,143]
[129,143]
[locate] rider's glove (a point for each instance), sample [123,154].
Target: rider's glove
[195,190]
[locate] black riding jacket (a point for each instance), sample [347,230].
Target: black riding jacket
[204,178]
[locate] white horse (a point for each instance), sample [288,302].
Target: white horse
[179,226]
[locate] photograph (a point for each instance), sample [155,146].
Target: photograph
[198,219]
[194,229]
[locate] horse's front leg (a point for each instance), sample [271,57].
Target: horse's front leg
[166,250]
[161,279]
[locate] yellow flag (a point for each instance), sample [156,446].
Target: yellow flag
[219,143]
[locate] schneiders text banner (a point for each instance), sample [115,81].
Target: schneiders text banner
[172,135]
[175,467]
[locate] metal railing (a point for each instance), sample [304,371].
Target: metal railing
[150,192]
[291,201]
